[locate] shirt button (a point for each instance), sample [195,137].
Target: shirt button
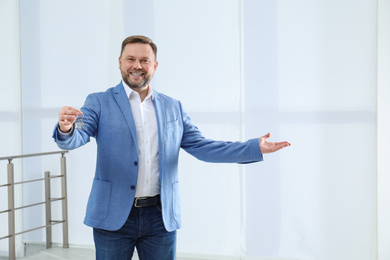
[135,163]
[132,187]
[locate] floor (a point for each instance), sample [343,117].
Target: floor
[35,252]
[63,253]
[56,253]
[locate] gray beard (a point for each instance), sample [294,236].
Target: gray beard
[142,84]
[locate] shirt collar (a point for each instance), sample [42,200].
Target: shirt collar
[129,90]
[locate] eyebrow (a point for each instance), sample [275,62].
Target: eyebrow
[142,58]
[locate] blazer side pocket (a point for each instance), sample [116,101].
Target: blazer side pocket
[176,203]
[99,200]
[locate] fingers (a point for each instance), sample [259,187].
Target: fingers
[284,144]
[280,145]
[266,136]
[66,110]
[66,117]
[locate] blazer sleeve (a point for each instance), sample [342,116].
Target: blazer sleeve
[209,150]
[79,137]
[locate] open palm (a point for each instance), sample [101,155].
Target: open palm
[270,147]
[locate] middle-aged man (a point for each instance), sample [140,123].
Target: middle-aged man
[134,201]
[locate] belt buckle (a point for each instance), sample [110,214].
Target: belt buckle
[136,201]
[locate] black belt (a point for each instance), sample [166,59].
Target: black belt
[147,201]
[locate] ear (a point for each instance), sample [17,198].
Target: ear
[120,62]
[155,65]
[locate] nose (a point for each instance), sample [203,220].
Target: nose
[137,64]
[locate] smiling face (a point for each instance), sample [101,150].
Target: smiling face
[138,65]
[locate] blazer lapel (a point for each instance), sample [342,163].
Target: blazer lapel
[124,104]
[160,115]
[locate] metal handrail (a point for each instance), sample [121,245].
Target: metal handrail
[33,155]
[48,200]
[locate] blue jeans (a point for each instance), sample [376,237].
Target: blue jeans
[144,229]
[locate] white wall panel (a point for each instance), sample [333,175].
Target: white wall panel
[200,55]
[383,129]
[199,64]
[69,49]
[10,112]
[320,94]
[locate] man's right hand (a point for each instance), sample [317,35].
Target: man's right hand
[66,118]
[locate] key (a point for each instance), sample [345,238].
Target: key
[78,124]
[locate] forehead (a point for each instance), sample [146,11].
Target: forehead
[138,50]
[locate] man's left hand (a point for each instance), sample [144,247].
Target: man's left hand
[270,147]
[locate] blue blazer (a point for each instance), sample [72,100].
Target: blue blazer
[108,118]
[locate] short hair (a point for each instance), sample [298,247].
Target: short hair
[139,39]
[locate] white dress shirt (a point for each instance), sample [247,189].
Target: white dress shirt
[148,183]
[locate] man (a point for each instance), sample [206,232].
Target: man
[134,201]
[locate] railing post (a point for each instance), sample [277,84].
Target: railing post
[11,213]
[64,203]
[48,210]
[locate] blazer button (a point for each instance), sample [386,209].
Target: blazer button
[135,163]
[132,187]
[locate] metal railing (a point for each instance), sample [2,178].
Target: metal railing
[49,222]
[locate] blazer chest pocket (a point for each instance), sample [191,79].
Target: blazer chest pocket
[173,123]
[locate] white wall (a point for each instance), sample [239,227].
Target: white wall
[383,129]
[303,70]
[310,78]
[198,67]
[65,56]
[10,111]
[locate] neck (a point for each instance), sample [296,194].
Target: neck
[143,92]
